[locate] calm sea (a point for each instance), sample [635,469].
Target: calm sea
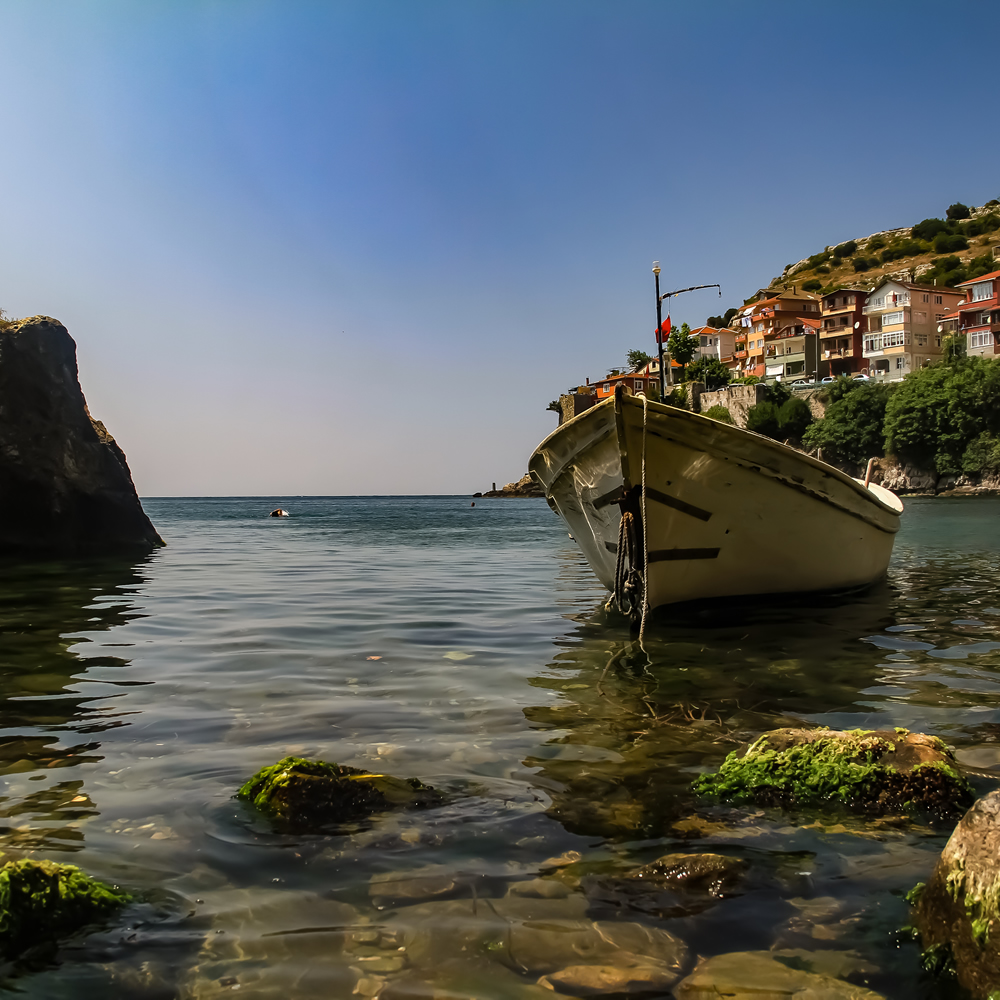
[465,646]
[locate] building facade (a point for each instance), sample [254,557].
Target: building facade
[903,319]
[843,324]
[978,314]
[764,321]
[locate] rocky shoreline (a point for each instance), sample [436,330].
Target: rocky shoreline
[524,487]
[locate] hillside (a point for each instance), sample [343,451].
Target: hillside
[934,251]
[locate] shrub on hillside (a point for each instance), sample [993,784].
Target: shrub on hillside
[863,264]
[950,242]
[947,271]
[958,211]
[875,243]
[822,269]
[812,285]
[982,454]
[720,413]
[928,229]
[851,430]
[936,414]
[845,249]
[794,416]
[763,418]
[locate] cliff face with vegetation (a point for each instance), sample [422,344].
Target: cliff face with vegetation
[65,486]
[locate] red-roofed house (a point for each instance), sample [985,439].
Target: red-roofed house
[840,336]
[977,315]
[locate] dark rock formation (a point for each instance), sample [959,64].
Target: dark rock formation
[524,487]
[958,911]
[873,771]
[308,795]
[65,487]
[41,901]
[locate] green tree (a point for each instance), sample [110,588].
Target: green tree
[954,348]
[958,211]
[682,346]
[851,430]
[637,359]
[720,321]
[711,371]
[935,414]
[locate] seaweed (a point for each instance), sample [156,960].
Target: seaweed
[842,768]
[43,900]
[305,794]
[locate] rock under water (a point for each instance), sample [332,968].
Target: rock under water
[65,487]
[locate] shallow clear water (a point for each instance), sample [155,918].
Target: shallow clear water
[467,647]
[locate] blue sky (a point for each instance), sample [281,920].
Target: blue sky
[353,248]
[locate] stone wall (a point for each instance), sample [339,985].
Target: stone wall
[735,398]
[572,404]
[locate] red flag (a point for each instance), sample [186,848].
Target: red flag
[664,332]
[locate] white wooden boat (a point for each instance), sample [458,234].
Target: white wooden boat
[668,506]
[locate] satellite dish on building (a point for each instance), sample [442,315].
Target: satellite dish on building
[856,325]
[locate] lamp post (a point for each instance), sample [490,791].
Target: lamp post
[659,318]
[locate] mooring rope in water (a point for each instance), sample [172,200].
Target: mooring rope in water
[645,528]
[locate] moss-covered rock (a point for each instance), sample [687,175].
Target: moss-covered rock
[874,771]
[42,900]
[958,911]
[314,794]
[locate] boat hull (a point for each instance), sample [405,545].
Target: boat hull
[725,512]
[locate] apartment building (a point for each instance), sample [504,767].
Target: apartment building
[978,314]
[714,342]
[903,320]
[841,331]
[761,321]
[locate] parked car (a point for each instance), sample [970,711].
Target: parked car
[861,377]
[802,383]
[830,378]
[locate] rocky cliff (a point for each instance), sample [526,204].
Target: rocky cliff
[65,486]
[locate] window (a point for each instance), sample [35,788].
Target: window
[921,340]
[894,317]
[760,343]
[920,317]
[937,341]
[937,300]
[901,362]
[704,341]
[983,338]
[606,387]
[795,368]
[984,290]
[926,298]
[844,320]
[638,384]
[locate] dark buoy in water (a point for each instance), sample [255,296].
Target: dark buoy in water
[279,513]
[473,504]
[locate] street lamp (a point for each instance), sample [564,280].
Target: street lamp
[659,318]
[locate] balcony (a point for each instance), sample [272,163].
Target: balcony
[739,354]
[887,302]
[844,352]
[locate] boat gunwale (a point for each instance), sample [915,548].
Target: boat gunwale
[770,443]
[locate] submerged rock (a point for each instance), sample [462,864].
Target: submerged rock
[875,771]
[42,900]
[313,794]
[754,975]
[958,911]
[711,873]
[65,486]
[594,980]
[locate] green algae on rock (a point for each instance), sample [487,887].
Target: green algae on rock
[42,900]
[874,771]
[958,911]
[308,794]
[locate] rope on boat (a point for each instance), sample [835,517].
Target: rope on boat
[628,596]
